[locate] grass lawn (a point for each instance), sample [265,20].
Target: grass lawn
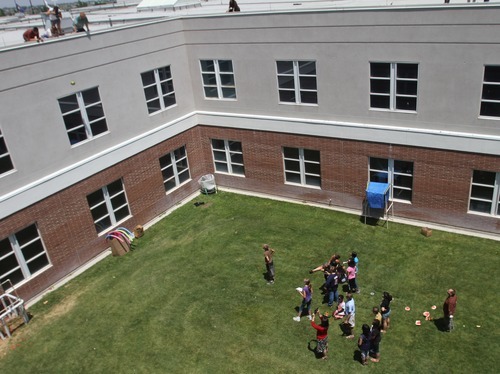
[191,298]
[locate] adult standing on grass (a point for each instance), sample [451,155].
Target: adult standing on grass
[350,317]
[332,285]
[268,258]
[385,309]
[375,338]
[321,333]
[449,309]
[306,293]
[364,344]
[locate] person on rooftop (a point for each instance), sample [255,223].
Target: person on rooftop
[81,22]
[32,35]
[55,20]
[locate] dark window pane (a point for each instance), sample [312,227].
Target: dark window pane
[95,112]
[165,161]
[406,87]
[311,155]
[227,79]
[150,92]
[379,163]
[237,158]
[490,109]
[207,65]
[377,101]
[291,152]
[115,187]
[218,144]
[406,103]
[401,194]
[103,224]
[32,250]
[164,73]
[6,164]
[118,200]
[68,103]
[407,71]
[26,235]
[307,67]
[307,83]
[14,277]
[403,181]
[484,177]
[235,146]
[154,106]
[238,169]
[225,66]
[480,206]
[313,181]
[491,92]
[307,97]
[312,168]
[492,73]
[95,198]
[122,213]
[167,173]
[292,177]
[38,263]
[209,79]
[403,167]
[184,176]
[148,78]
[167,87]
[292,165]
[3,146]
[380,86]
[228,93]
[180,153]
[220,156]
[211,92]
[284,67]
[169,185]
[480,192]
[286,81]
[169,100]
[73,120]
[99,212]
[379,177]
[91,96]
[380,69]
[221,167]
[99,127]
[5,247]
[77,136]
[287,96]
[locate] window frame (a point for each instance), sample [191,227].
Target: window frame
[393,84]
[302,168]
[174,162]
[217,73]
[494,201]
[82,109]
[228,152]
[16,250]
[169,81]
[110,209]
[491,101]
[297,89]
[3,145]
[391,174]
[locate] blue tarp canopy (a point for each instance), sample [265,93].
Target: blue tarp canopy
[377,194]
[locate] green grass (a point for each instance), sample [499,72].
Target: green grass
[191,298]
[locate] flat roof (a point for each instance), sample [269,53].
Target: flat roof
[126,12]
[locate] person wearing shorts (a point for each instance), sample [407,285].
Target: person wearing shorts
[350,317]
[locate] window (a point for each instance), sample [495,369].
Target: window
[22,255]
[228,156]
[297,82]
[302,167]
[174,168]
[490,99]
[108,205]
[393,86]
[83,115]
[218,79]
[485,193]
[5,160]
[158,89]
[397,173]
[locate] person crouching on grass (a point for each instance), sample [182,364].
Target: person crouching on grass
[321,333]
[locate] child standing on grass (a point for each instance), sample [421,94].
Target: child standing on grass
[364,344]
[385,309]
[268,258]
[306,294]
[351,276]
[321,333]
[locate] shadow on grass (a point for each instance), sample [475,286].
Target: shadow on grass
[441,324]
[312,345]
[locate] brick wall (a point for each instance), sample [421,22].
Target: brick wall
[440,189]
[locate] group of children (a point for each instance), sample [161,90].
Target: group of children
[336,273]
